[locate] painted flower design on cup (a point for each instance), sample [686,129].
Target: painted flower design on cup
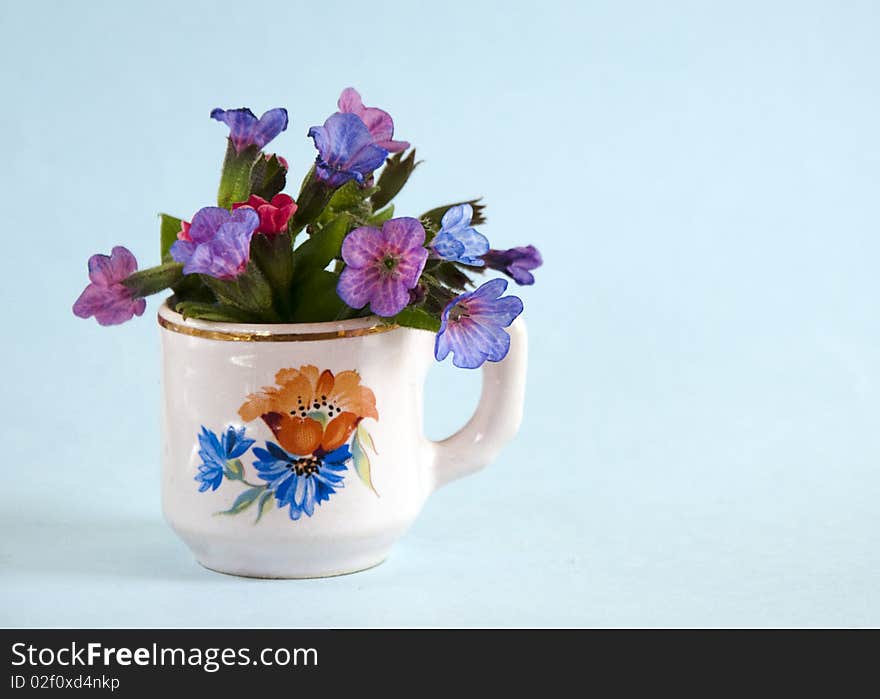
[316,419]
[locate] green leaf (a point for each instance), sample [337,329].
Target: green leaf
[248,292]
[362,460]
[214,311]
[233,470]
[235,180]
[394,176]
[169,227]
[415,317]
[314,298]
[273,254]
[432,218]
[449,274]
[267,500]
[154,279]
[349,196]
[243,501]
[323,246]
[268,177]
[380,217]
[313,198]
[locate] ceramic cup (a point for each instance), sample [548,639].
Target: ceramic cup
[294,451]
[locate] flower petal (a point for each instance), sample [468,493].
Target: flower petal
[457,217]
[106,270]
[404,233]
[363,246]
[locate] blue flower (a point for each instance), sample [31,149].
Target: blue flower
[246,130]
[301,482]
[472,326]
[346,150]
[216,451]
[457,241]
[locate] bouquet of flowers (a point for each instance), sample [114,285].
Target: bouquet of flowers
[334,253]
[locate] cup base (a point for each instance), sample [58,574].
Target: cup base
[314,575]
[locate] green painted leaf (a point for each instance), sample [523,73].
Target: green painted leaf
[319,416]
[323,246]
[362,461]
[243,501]
[414,317]
[365,438]
[233,470]
[267,500]
[169,227]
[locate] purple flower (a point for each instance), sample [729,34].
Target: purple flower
[472,326]
[382,265]
[515,262]
[345,150]
[219,244]
[246,130]
[107,298]
[378,121]
[457,241]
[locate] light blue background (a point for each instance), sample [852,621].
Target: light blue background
[701,442]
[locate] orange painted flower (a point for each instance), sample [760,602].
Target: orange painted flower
[311,411]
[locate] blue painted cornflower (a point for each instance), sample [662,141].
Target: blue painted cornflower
[472,326]
[216,451]
[106,297]
[246,130]
[301,482]
[516,263]
[457,241]
[346,150]
[217,243]
[382,266]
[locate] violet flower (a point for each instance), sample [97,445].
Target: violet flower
[106,297]
[274,215]
[378,121]
[472,326]
[457,241]
[246,130]
[515,262]
[382,265]
[345,150]
[219,242]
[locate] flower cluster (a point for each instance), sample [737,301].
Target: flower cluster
[261,256]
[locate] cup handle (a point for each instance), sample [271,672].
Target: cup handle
[496,420]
